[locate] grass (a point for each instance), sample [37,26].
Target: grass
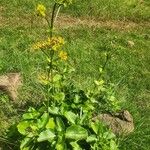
[129,65]
[112,9]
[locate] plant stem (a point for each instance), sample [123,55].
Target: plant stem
[48,23]
[51,55]
[52,20]
[51,26]
[106,61]
[58,10]
[45,53]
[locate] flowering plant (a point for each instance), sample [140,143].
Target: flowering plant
[65,120]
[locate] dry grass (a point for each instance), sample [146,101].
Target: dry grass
[66,21]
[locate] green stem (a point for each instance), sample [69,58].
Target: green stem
[52,20]
[45,53]
[51,55]
[49,25]
[106,61]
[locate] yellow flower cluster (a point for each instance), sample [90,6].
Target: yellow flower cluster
[56,42]
[41,10]
[63,55]
[40,45]
[53,43]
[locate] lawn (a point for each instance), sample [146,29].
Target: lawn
[90,29]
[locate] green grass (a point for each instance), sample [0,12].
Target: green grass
[135,10]
[129,65]
[112,9]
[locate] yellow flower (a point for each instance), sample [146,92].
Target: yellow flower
[63,55]
[41,10]
[61,40]
[40,45]
[53,43]
[56,42]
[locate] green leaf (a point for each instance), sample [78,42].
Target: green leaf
[27,116]
[50,124]
[77,99]
[47,135]
[61,146]
[76,132]
[33,115]
[25,143]
[23,126]
[57,77]
[91,138]
[60,124]
[59,96]
[95,126]
[31,109]
[88,106]
[71,117]
[109,135]
[63,108]
[84,118]
[113,145]
[34,126]
[75,146]
[53,110]
[43,120]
